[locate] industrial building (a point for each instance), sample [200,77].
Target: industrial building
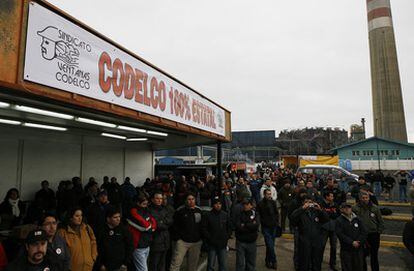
[377,153]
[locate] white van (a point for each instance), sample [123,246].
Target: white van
[322,171]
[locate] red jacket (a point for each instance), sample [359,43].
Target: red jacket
[141,224]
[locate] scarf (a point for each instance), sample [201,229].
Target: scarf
[15,207]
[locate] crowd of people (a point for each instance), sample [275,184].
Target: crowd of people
[166,223]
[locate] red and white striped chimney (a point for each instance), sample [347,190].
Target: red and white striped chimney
[379,14]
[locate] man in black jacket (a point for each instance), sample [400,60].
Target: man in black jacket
[46,196]
[161,237]
[36,256]
[329,206]
[216,230]
[247,226]
[115,245]
[187,231]
[296,203]
[285,197]
[309,219]
[96,212]
[115,193]
[56,244]
[352,236]
[269,219]
[331,186]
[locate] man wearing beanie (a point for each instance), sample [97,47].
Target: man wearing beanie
[216,230]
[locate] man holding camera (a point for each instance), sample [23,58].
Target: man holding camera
[309,218]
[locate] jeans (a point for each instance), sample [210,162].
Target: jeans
[269,235]
[377,189]
[221,254]
[332,242]
[140,256]
[245,256]
[403,192]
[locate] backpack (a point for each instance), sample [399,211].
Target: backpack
[386,211]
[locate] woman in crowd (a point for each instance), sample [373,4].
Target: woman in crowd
[11,209]
[80,240]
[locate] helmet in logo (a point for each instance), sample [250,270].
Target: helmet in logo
[50,36]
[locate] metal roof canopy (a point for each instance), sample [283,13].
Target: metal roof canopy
[14,90]
[174,139]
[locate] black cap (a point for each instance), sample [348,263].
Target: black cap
[345,205]
[36,236]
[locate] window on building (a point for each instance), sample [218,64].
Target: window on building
[397,152]
[393,152]
[357,153]
[386,152]
[372,153]
[353,153]
[364,153]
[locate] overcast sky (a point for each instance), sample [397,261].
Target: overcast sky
[274,64]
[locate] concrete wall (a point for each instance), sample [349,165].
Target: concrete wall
[28,156]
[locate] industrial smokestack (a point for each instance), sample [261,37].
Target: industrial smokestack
[387,101]
[363,127]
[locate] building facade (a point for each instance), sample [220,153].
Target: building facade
[377,153]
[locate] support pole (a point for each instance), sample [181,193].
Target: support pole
[219,161]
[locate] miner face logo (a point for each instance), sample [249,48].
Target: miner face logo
[53,46]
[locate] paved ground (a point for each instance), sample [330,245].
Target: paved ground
[391,259]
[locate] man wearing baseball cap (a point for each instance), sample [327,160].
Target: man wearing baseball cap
[352,236]
[247,227]
[35,257]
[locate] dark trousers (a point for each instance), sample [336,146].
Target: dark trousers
[156,260]
[296,248]
[332,242]
[221,254]
[352,260]
[283,216]
[373,242]
[310,254]
[269,235]
[245,256]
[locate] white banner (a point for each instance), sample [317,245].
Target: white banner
[62,55]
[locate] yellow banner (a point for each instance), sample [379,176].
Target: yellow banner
[320,160]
